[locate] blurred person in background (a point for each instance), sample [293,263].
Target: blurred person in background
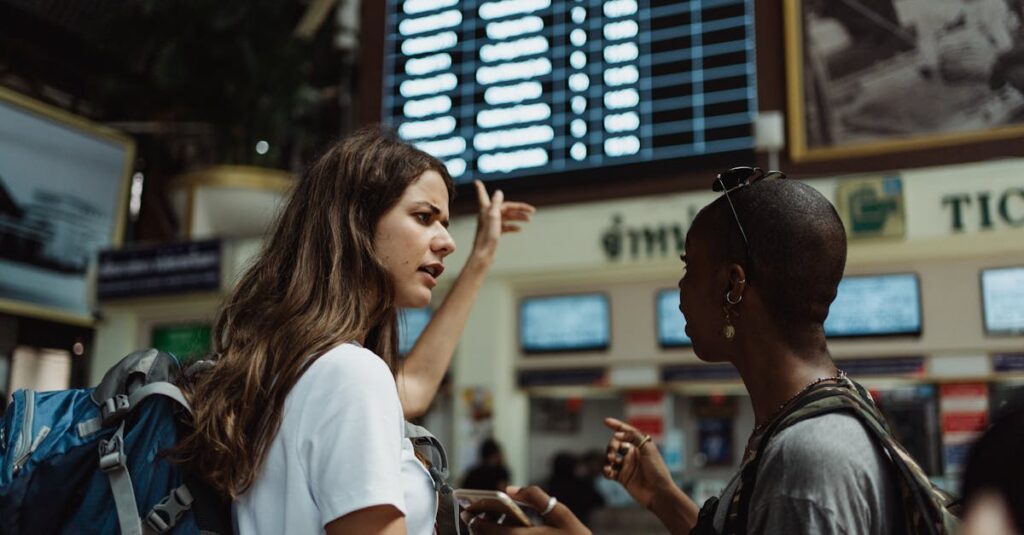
[572,484]
[993,479]
[299,419]
[489,473]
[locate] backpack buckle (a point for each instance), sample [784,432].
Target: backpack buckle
[112,455]
[165,514]
[114,408]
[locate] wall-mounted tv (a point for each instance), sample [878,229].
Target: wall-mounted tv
[876,305]
[671,323]
[411,322]
[579,322]
[1002,298]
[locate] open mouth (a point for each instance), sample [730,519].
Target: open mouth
[434,270]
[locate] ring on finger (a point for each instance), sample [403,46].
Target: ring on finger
[552,501]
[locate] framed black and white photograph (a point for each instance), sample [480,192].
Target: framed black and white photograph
[871,76]
[63,190]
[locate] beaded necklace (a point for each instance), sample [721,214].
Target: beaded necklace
[839,376]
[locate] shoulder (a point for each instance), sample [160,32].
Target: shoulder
[345,376]
[831,451]
[835,440]
[347,364]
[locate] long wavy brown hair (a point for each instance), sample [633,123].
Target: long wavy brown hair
[316,283]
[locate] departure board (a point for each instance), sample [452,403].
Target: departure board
[515,88]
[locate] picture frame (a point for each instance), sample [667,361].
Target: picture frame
[64,184]
[880,76]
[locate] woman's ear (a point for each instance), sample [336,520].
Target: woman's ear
[737,283]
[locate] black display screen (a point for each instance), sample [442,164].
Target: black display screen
[502,89]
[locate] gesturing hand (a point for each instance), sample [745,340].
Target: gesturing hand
[635,463]
[497,216]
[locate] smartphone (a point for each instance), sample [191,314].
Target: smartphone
[499,507]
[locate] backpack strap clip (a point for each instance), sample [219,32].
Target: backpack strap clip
[165,514]
[112,455]
[114,408]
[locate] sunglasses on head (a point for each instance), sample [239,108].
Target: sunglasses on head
[736,178]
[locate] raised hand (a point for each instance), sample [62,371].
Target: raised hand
[497,216]
[635,463]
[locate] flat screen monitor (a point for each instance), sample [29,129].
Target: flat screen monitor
[876,305]
[411,322]
[512,89]
[579,322]
[1002,296]
[671,323]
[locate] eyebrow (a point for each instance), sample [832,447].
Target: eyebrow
[434,210]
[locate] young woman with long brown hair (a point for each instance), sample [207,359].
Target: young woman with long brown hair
[300,420]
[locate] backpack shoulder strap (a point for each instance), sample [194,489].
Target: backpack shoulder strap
[924,505]
[739,505]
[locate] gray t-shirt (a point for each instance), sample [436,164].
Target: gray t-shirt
[824,475]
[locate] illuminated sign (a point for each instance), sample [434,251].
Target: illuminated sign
[514,88]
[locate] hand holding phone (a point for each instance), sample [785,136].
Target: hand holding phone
[497,506]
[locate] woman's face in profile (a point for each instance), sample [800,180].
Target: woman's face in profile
[700,302]
[412,240]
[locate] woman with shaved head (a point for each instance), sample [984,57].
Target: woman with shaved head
[762,266]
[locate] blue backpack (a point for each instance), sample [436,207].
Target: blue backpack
[91,460]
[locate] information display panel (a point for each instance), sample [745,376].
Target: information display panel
[1002,296]
[876,305]
[671,323]
[517,88]
[411,322]
[579,322]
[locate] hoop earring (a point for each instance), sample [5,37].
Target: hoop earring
[729,300]
[728,331]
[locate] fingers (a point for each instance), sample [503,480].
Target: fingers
[514,206]
[623,431]
[535,497]
[497,200]
[481,195]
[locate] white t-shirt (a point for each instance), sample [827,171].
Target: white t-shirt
[341,447]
